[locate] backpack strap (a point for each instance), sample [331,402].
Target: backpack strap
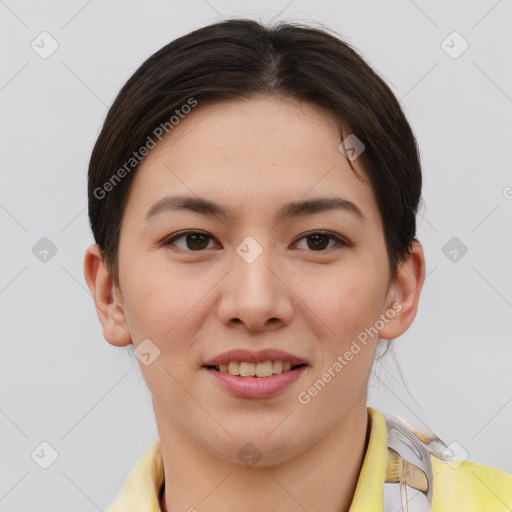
[408,481]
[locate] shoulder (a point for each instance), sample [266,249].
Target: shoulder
[140,492]
[458,485]
[467,486]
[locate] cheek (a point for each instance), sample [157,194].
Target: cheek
[165,305]
[350,304]
[152,300]
[349,307]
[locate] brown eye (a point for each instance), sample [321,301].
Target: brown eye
[194,241]
[320,240]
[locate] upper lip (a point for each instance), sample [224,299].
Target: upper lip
[260,356]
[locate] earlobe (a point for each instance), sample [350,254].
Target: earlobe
[404,293]
[108,303]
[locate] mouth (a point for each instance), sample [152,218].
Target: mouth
[255,374]
[261,370]
[247,380]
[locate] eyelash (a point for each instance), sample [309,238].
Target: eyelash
[168,241]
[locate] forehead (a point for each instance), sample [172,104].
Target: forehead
[252,154]
[268,127]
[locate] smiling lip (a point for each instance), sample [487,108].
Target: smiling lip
[260,356]
[255,387]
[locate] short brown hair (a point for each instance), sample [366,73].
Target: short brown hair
[238,58]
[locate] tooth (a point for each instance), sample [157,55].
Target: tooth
[247,369]
[277,366]
[264,369]
[233,368]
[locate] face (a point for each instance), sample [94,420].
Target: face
[255,276]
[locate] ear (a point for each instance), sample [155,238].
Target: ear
[107,298]
[404,294]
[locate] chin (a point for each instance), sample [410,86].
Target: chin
[257,445]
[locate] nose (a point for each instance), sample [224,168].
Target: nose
[255,293]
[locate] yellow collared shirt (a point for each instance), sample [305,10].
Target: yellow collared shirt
[468,487]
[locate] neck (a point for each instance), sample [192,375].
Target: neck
[322,478]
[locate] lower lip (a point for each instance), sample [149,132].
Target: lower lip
[256,387]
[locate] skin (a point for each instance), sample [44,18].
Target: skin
[197,300]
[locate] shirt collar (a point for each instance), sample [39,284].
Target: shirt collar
[141,490]
[368,496]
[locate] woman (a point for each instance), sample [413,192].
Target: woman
[253,195]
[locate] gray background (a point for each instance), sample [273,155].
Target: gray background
[62,383]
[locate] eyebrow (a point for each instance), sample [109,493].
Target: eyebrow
[289,210]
